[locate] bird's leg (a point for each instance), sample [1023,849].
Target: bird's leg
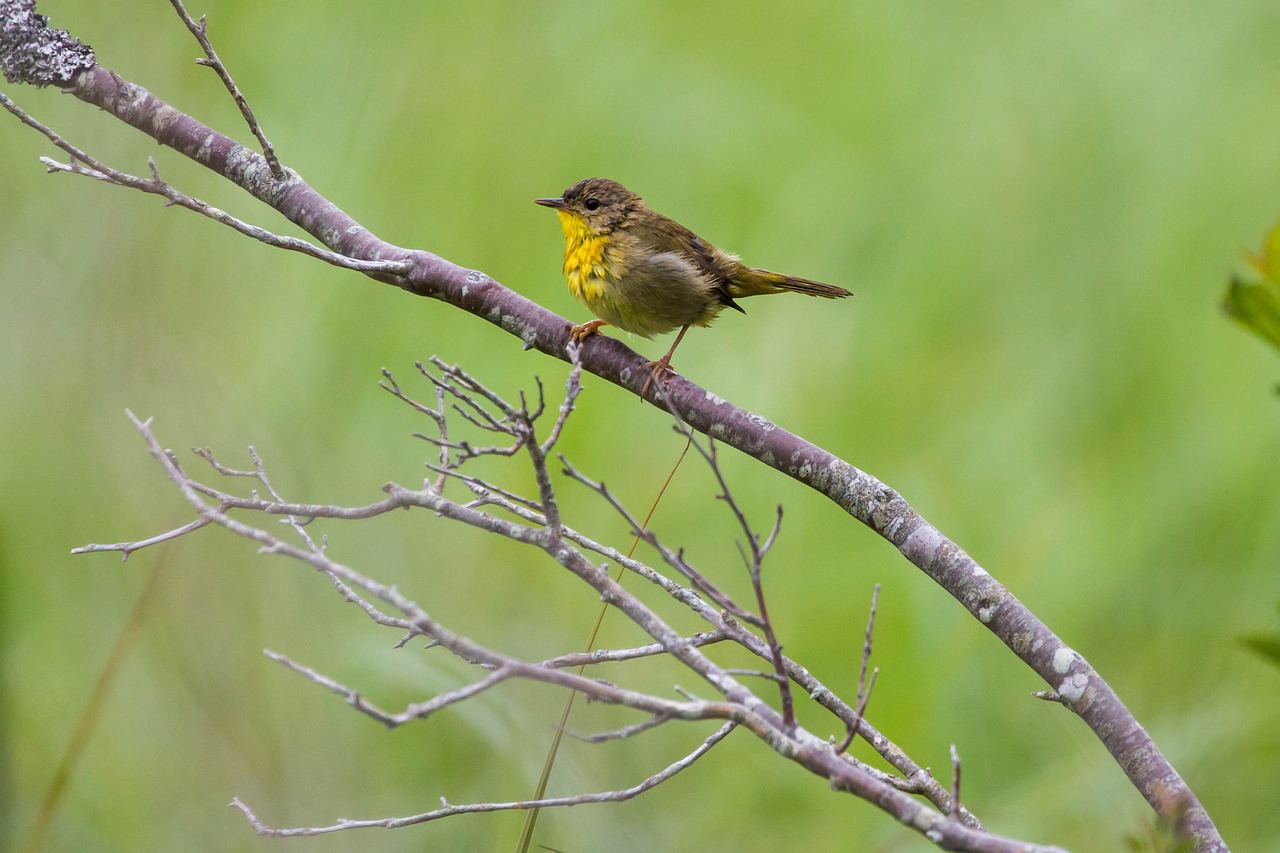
[663,364]
[580,333]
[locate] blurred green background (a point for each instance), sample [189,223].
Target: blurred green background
[1037,207]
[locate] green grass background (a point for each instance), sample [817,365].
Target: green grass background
[1036,206]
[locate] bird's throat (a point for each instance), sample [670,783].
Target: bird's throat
[585,261]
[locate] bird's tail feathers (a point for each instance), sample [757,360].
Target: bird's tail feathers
[750,282]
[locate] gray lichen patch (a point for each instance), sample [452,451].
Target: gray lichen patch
[32,52]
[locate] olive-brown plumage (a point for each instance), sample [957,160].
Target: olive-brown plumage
[648,274]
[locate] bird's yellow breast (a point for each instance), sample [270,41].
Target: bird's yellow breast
[589,261]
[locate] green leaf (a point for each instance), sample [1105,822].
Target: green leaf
[1267,645]
[1253,297]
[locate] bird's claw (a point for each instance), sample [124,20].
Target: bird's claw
[656,369]
[581,332]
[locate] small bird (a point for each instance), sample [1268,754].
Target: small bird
[647,274]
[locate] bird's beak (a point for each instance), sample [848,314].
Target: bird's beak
[557,203]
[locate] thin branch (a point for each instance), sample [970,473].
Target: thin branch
[955,781]
[198,30]
[416,711]
[392,387]
[596,656]
[252,504]
[573,387]
[437,417]
[127,548]
[486,490]
[82,163]
[465,388]
[864,688]
[773,534]
[353,698]
[157,186]
[447,810]
[352,597]
[622,733]
[674,559]
[775,648]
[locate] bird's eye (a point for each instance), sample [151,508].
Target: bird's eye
[591,203]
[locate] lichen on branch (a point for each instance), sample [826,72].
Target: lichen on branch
[32,52]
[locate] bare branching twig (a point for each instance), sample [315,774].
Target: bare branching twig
[727,700]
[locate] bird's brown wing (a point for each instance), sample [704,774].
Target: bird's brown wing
[719,268]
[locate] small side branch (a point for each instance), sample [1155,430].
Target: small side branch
[622,733]
[576,659]
[775,648]
[573,387]
[447,810]
[417,711]
[198,30]
[955,781]
[127,548]
[82,163]
[864,686]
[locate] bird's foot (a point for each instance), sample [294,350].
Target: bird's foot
[656,369]
[580,333]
